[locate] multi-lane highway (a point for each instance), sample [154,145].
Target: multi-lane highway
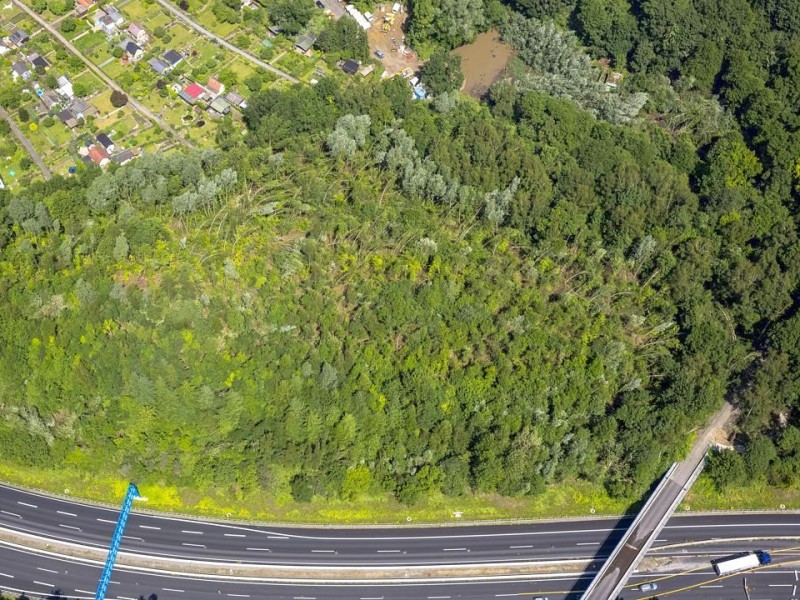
[21,571]
[153,535]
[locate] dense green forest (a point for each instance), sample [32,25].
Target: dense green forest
[368,294]
[722,82]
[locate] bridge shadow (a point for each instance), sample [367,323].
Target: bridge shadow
[602,553]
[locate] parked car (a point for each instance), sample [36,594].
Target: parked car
[379,53]
[648,587]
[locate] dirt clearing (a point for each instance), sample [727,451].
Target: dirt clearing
[386,35]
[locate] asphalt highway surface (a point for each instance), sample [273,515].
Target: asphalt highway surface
[153,535]
[29,571]
[55,577]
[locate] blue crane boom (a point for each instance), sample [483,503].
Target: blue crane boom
[116,540]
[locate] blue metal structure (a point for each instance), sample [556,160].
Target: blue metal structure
[116,540]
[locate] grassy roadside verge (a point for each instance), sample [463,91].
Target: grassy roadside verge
[572,499]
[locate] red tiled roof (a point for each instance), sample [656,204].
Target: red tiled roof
[214,85]
[194,90]
[97,154]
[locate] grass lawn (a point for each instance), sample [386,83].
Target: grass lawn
[90,40]
[209,21]
[569,499]
[295,64]
[90,80]
[82,26]
[159,19]
[181,36]
[103,102]
[115,68]
[241,68]
[123,124]
[137,11]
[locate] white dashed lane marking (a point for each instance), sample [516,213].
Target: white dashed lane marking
[10,514]
[21,503]
[69,514]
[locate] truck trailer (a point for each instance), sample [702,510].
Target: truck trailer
[740,562]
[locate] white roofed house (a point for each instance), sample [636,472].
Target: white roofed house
[65,87]
[115,15]
[138,33]
[102,22]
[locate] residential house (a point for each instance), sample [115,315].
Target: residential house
[50,99]
[133,51]
[115,15]
[82,6]
[106,142]
[81,108]
[350,67]
[138,33]
[102,22]
[98,155]
[38,62]
[220,106]
[304,43]
[18,37]
[172,57]
[68,118]
[65,87]
[123,157]
[193,93]
[236,100]
[215,87]
[159,66]
[22,69]
[274,30]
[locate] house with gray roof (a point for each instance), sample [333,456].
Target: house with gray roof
[22,69]
[172,57]
[18,37]
[158,65]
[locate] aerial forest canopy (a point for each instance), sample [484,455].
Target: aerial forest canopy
[369,294]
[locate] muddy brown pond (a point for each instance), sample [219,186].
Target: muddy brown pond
[483,62]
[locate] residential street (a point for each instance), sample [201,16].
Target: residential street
[222,42]
[135,104]
[24,141]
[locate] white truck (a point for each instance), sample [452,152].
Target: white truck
[740,562]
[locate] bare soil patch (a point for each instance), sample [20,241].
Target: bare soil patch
[396,55]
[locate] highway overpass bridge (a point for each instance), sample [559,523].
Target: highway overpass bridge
[653,516]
